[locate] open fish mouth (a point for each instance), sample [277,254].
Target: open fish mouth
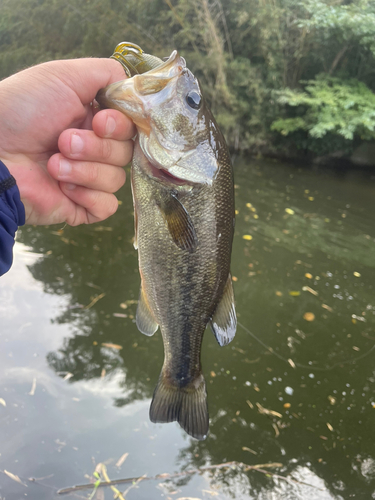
[163,175]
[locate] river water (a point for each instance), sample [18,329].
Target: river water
[292,394]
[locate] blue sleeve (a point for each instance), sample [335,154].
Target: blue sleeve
[12,215]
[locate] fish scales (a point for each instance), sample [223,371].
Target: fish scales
[182,184]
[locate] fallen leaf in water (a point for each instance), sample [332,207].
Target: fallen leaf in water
[122,459]
[329,426]
[33,387]
[327,307]
[68,376]
[265,411]
[309,316]
[94,301]
[234,278]
[357,275]
[110,345]
[188,498]
[103,228]
[247,237]
[2,402]
[289,211]
[292,363]
[14,477]
[103,373]
[278,293]
[309,276]
[310,290]
[245,448]
[276,429]
[213,374]
[120,315]
[287,405]
[294,293]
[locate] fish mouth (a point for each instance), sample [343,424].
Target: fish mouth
[164,176]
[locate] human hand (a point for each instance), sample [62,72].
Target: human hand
[66,160]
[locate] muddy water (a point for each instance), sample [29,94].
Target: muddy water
[294,392]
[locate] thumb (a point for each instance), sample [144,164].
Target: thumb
[87,75]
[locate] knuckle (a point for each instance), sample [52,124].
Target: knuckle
[106,149]
[92,173]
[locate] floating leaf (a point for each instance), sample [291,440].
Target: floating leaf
[356,274]
[289,211]
[294,293]
[247,237]
[309,316]
[245,448]
[2,402]
[110,345]
[308,275]
[122,459]
[14,477]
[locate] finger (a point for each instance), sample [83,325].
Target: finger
[110,123]
[91,205]
[92,175]
[87,75]
[85,145]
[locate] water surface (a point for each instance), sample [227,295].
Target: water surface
[295,387]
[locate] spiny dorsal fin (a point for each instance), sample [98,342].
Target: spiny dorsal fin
[224,320]
[144,318]
[180,226]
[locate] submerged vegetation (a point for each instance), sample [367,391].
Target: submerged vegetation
[282,76]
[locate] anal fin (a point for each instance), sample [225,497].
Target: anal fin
[144,318]
[224,320]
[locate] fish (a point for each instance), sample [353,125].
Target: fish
[183,195]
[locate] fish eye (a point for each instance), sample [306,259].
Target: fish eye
[194,99]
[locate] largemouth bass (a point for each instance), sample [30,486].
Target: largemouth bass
[182,184]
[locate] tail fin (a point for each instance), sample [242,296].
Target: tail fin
[187,405]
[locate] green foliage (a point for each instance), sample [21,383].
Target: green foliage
[242,51]
[329,106]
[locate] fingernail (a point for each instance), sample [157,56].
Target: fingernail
[65,168]
[69,186]
[76,144]
[110,126]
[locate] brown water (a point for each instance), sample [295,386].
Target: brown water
[68,402]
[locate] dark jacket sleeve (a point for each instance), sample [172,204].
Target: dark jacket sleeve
[12,215]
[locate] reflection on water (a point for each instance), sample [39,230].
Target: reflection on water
[298,390]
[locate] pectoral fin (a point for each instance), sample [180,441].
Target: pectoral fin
[180,225]
[144,318]
[224,320]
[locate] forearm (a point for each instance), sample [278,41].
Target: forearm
[12,215]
